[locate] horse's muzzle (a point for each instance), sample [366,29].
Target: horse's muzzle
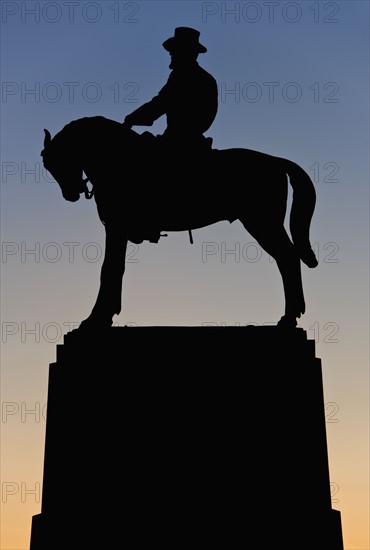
[71,197]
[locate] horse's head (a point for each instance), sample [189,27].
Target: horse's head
[63,166]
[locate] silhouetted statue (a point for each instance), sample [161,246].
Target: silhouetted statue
[189,99]
[143,185]
[234,184]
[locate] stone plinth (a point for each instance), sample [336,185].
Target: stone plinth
[194,437]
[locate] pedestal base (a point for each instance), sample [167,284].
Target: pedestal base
[196,436]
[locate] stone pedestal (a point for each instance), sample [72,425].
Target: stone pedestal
[186,437]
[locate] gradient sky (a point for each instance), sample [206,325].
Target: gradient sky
[293,82]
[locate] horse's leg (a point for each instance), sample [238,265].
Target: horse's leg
[277,243]
[109,299]
[290,269]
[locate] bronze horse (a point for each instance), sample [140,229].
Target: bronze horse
[141,190]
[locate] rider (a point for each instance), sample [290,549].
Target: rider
[189,99]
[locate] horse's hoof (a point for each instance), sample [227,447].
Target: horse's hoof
[287,322]
[94,324]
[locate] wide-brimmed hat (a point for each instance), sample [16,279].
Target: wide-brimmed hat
[185,38]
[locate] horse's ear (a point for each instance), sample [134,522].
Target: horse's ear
[47,138]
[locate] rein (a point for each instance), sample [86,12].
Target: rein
[85,190]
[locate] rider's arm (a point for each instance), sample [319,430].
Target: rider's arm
[146,114]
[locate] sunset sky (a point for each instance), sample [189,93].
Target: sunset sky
[293,80]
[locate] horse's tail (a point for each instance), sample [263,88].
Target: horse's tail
[303,206]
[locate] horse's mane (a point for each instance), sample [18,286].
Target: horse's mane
[76,131]
[82,125]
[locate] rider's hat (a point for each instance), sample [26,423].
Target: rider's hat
[185,38]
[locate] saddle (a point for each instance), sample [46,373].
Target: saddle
[199,146]
[173,155]
[160,151]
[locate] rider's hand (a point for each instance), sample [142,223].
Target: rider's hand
[127,123]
